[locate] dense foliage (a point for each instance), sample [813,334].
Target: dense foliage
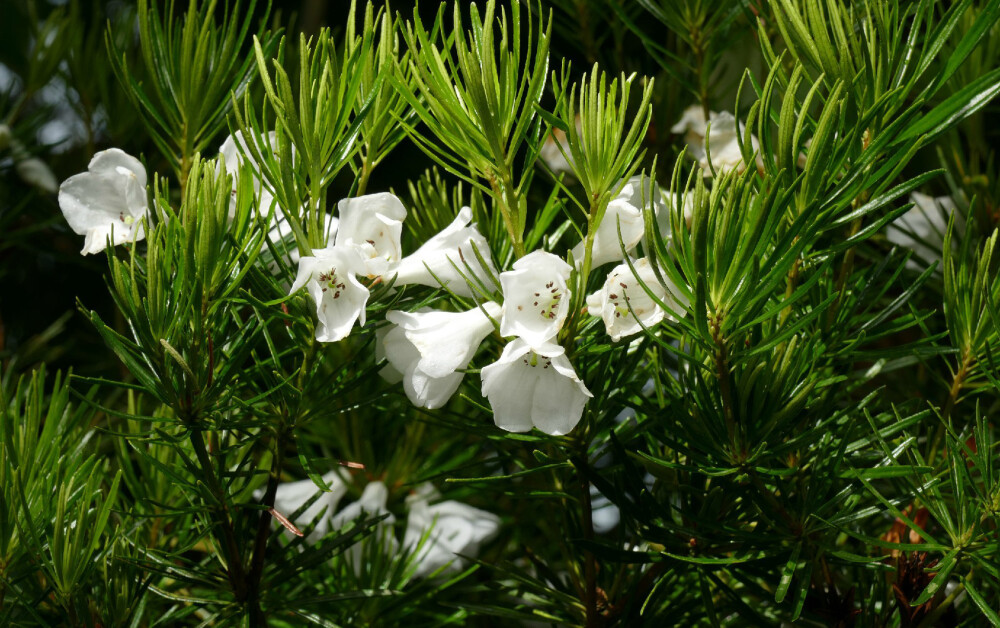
[553,312]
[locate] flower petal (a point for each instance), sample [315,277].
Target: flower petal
[536,297]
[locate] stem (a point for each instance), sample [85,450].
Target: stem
[185,164]
[366,171]
[590,563]
[772,501]
[792,283]
[935,615]
[579,297]
[699,56]
[504,198]
[310,355]
[957,383]
[257,617]
[586,32]
[722,372]
[234,562]
[846,268]
[847,265]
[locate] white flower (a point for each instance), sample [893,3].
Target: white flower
[923,227]
[290,496]
[373,224]
[551,153]
[421,389]
[32,170]
[622,290]
[230,150]
[626,209]
[438,257]
[451,528]
[722,140]
[372,503]
[428,347]
[340,298]
[283,240]
[37,173]
[665,209]
[536,298]
[604,512]
[446,340]
[109,200]
[534,388]
[629,207]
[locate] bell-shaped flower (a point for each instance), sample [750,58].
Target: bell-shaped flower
[428,347]
[283,240]
[30,168]
[372,503]
[37,173]
[555,150]
[625,211]
[373,224]
[234,158]
[536,297]
[720,137]
[107,201]
[923,228]
[421,389]
[534,387]
[692,125]
[673,202]
[625,306]
[447,529]
[447,256]
[291,496]
[329,274]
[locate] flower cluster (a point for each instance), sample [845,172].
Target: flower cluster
[533,383]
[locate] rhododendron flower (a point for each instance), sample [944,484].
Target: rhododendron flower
[107,201]
[428,347]
[329,274]
[534,387]
[234,158]
[721,139]
[435,262]
[536,298]
[451,528]
[623,303]
[291,496]
[923,227]
[373,224]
